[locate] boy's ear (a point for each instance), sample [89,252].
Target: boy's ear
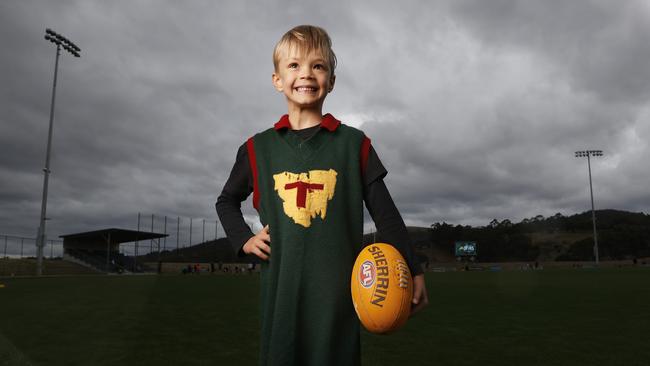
[277,82]
[332,80]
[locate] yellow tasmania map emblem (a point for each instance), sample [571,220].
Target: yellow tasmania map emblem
[305,195]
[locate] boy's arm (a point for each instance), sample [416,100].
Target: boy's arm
[384,213]
[390,225]
[237,188]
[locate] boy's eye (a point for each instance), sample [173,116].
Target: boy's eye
[319,67]
[293,65]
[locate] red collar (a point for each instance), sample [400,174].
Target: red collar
[328,122]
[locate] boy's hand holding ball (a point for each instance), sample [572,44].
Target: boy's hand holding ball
[258,245]
[420,296]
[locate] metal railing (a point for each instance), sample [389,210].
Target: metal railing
[13,246]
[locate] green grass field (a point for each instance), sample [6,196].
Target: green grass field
[550,317]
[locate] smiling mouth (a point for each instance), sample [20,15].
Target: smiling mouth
[306,89]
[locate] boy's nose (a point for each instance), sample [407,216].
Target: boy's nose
[306,73]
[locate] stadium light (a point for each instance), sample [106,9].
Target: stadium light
[41,239]
[588,154]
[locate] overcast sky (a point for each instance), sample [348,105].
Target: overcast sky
[475,107]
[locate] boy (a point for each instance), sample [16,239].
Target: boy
[309,176]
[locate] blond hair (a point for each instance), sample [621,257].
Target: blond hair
[305,39]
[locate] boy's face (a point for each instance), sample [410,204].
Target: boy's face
[304,79]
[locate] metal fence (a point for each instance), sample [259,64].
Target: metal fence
[182,232]
[12,246]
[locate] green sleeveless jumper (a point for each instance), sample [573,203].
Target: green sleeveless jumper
[310,194]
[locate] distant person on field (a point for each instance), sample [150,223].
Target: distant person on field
[310,176]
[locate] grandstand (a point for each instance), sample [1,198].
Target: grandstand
[99,249]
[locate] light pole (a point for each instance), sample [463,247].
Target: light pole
[67,45]
[589,154]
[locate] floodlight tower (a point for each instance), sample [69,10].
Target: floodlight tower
[589,154]
[59,41]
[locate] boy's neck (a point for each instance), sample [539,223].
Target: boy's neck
[300,118]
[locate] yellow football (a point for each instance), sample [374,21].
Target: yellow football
[382,288]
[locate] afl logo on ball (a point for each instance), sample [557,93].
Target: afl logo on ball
[367,274]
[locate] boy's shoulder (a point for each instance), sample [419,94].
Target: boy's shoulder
[350,129]
[266,132]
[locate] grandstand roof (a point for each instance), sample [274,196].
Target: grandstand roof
[116,235]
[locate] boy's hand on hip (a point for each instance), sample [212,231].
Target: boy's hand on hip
[420,297]
[259,244]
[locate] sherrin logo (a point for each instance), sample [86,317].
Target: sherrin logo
[367,274]
[381,291]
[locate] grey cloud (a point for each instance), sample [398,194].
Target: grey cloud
[475,107]
[600,45]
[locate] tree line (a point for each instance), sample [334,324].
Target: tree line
[621,235]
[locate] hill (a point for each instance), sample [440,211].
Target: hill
[219,250]
[621,235]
